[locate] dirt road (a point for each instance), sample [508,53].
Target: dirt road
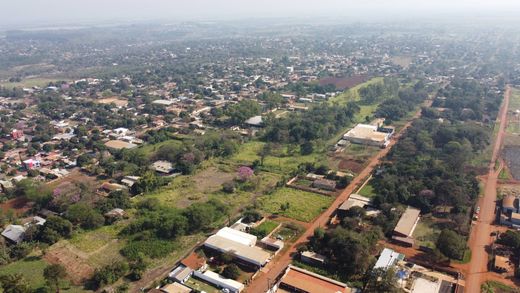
[480,237]
[268,274]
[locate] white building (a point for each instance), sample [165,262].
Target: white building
[237,236]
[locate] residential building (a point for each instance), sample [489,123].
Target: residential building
[324,184]
[298,280]
[219,281]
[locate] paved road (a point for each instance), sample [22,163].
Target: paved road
[268,274]
[480,236]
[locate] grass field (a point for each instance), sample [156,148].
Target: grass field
[426,233]
[303,206]
[282,163]
[367,191]
[265,228]
[496,287]
[352,94]
[93,240]
[149,149]
[41,82]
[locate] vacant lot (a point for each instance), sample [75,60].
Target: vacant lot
[303,206]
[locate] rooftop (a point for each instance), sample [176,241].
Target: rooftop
[310,282]
[407,222]
[387,259]
[254,254]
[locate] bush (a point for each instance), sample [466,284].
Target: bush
[231,272]
[228,187]
[109,274]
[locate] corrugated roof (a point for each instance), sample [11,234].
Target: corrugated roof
[407,222]
[254,255]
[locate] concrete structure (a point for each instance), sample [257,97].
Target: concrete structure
[237,236]
[367,135]
[313,258]
[251,255]
[407,222]
[219,281]
[299,280]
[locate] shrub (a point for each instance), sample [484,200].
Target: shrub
[231,272]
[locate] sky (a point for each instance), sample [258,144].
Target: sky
[20,13]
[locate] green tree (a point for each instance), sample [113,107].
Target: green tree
[231,272]
[14,283]
[451,244]
[381,280]
[53,274]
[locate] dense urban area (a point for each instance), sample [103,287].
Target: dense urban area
[260,157]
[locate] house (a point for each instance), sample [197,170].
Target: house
[219,281]
[14,233]
[255,121]
[163,167]
[32,164]
[313,258]
[367,135]
[354,200]
[175,288]
[108,187]
[324,184]
[407,223]
[299,280]
[194,262]
[272,244]
[254,256]
[387,259]
[181,274]
[129,181]
[17,134]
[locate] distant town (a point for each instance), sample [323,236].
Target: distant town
[233,158]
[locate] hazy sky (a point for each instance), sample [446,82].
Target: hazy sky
[30,12]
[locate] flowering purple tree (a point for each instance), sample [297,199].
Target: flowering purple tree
[245,173]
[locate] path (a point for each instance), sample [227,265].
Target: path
[480,237]
[269,274]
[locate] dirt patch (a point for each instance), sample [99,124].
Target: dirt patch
[351,165]
[75,264]
[19,205]
[211,179]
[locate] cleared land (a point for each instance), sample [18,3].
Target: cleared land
[303,206]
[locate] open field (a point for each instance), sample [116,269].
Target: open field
[31,268]
[91,241]
[30,82]
[265,228]
[426,233]
[303,206]
[402,61]
[496,287]
[352,94]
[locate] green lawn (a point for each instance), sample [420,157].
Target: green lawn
[201,286]
[426,233]
[265,228]
[352,94]
[282,162]
[303,206]
[367,191]
[148,149]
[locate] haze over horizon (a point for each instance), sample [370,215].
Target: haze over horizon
[26,13]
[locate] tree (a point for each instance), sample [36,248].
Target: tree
[231,272]
[381,280]
[83,160]
[510,238]
[53,274]
[14,283]
[85,216]
[451,244]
